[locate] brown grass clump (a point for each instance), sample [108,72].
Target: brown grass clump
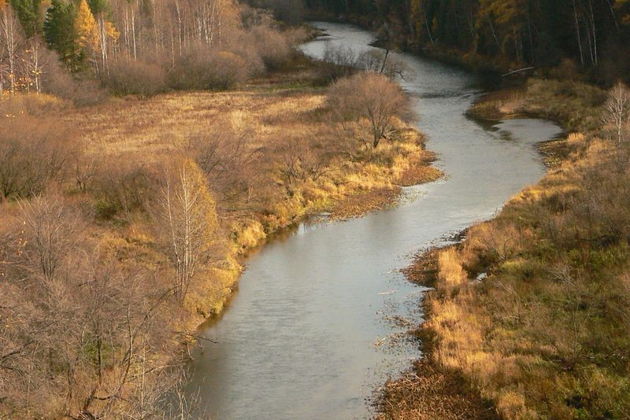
[358,204]
[34,152]
[428,393]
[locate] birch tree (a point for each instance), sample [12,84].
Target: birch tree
[10,39]
[187,222]
[617,110]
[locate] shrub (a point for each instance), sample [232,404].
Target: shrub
[122,186]
[373,97]
[33,153]
[127,76]
[272,46]
[203,69]
[58,82]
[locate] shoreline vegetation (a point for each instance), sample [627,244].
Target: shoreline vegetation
[528,313]
[125,222]
[125,218]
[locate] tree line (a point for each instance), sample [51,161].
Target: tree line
[593,34]
[136,46]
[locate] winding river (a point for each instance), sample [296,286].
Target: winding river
[319,320]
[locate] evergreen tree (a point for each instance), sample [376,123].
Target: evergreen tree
[98,7]
[28,11]
[60,33]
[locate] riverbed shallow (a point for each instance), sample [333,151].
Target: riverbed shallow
[318,322]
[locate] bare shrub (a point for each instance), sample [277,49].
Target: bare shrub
[299,162]
[272,46]
[296,35]
[372,97]
[122,186]
[204,69]
[341,56]
[227,156]
[344,61]
[380,61]
[33,153]
[128,76]
[338,62]
[60,282]
[52,228]
[82,92]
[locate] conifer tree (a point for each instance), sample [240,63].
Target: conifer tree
[98,7]
[87,29]
[60,33]
[28,11]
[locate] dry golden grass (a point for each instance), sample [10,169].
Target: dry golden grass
[285,125]
[165,122]
[573,104]
[544,332]
[525,336]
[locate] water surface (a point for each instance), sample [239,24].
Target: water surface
[313,331]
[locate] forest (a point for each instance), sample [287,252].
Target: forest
[591,35]
[141,47]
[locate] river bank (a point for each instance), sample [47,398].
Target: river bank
[311,332]
[264,157]
[308,166]
[497,317]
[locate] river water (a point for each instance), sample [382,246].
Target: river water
[317,324]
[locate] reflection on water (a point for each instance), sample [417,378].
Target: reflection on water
[320,318]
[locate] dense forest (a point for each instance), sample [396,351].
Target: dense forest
[592,34]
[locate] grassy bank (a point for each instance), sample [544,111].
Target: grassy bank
[286,127]
[107,197]
[531,309]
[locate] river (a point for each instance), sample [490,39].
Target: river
[317,324]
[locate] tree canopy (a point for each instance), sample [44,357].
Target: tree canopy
[592,33]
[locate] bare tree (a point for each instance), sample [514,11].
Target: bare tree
[379,61]
[50,228]
[188,222]
[77,323]
[34,63]
[10,39]
[372,97]
[617,109]
[226,153]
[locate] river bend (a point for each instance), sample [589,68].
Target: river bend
[315,326]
